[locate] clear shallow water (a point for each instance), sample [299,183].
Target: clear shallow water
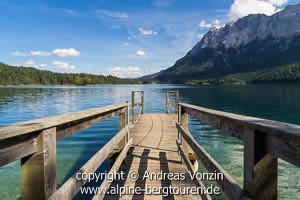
[277,102]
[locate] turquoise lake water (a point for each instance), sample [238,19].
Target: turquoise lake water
[276,102]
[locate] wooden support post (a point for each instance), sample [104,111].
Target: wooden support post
[127,121]
[184,120]
[142,102]
[122,119]
[122,124]
[132,105]
[260,168]
[167,102]
[39,169]
[176,102]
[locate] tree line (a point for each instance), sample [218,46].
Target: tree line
[12,75]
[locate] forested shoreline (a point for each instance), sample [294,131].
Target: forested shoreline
[18,75]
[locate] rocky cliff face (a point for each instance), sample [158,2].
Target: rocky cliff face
[283,24]
[252,43]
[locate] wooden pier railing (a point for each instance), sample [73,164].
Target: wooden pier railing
[34,142]
[135,105]
[172,104]
[264,142]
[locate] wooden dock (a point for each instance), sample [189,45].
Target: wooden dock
[154,150]
[150,143]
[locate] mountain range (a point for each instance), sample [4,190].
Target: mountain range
[255,48]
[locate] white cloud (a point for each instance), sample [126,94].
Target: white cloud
[203,24]
[30,63]
[241,8]
[57,52]
[110,13]
[147,31]
[140,53]
[40,53]
[42,65]
[126,43]
[124,72]
[278,2]
[129,72]
[66,52]
[217,23]
[17,53]
[63,65]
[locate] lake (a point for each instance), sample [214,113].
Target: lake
[273,101]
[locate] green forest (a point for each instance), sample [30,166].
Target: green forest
[11,75]
[283,74]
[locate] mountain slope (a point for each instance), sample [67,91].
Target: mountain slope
[253,43]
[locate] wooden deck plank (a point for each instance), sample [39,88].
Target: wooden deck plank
[154,150]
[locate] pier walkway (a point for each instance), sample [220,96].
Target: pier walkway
[155,151]
[151,144]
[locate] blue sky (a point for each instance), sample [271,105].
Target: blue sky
[126,38]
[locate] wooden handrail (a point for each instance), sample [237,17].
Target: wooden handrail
[19,140]
[105,184]
[191,169]
[62,122]
[264,142]
[34,142]
[280,139]
[228,185]
[71,187]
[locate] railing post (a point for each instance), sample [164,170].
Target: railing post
[39,169]
[132,105]
[167,102]
[127,121]
[183,121]
[142,102]
[176,102]
[260,168]
[122,124]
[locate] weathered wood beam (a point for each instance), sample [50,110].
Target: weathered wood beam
[71,187]
[27,127]
[65,130]
[17,151]
[122,124]
[143,102]
[176,102]
[132,105]
[260,168]
[290,131]
[227,126]
[39,169]
[115,167]
[286,149]
[167,102]
[191,169]
[228,185]
[184,122]
[281,140]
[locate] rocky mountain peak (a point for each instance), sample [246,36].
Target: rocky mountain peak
[255,26]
